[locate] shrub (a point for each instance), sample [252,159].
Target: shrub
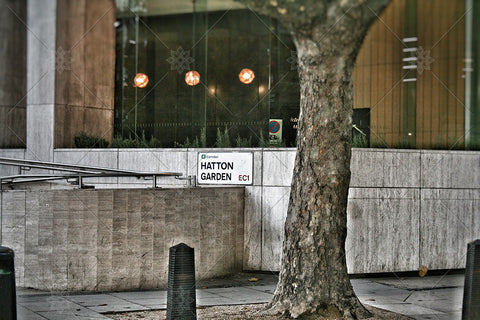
[359,141]
[243,142]
[84,140]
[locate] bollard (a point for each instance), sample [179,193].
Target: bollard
[8,297]
[471,291]
[181,299]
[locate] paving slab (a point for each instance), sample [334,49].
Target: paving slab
[26,314]
[428,282]
[242,295]
[218,301]
[446,316]
[404,308]
[95,299]
[154,304]
[430,298]
[124,307]
[81,314]
[160,294]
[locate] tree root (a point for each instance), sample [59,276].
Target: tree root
[329,312]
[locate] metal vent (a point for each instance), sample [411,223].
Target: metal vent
[181,299]
[471,293]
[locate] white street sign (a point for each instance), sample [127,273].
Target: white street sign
[230,168]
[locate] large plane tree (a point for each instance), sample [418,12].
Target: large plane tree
[327,34]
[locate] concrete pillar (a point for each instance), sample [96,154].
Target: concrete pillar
[41,49]
[85,74]
[70,73]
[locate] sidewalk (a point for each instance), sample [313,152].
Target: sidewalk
[436,297]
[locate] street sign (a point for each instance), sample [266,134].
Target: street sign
[275,131]
[225,168]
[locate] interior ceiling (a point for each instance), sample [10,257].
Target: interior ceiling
[168,7]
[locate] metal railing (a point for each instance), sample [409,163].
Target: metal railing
[76,174]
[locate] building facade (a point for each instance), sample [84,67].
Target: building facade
[415,80]
[152,83]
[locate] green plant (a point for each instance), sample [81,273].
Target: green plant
[359,141]
[378,141]
[223,139]
[85,140]
[186,144]
[203,137]
[196,143]
[243,142]
[121,142]
[154,143]
[262,143]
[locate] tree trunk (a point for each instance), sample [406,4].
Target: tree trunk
[328,34]
[314,280]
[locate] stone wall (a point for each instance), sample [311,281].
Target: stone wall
[406,208]
[98,240]
[409,208]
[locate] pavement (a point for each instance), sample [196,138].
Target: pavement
[431,297]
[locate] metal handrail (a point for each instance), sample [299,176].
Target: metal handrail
[57,166]
[78,173]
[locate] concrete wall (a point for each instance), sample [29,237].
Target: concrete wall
[119,239]
[407,208]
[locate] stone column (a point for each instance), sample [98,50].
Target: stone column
[70,73]
[41,49]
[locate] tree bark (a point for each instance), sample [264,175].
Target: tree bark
[314,278]
[328,34]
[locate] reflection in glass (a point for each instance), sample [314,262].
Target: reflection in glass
[141,80]
[192,78]
[246,76]
[195,97]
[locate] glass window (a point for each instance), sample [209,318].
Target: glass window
[217,75]
[221,75]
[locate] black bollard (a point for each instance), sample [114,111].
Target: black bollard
[181,299]
[8,296]
[471,291]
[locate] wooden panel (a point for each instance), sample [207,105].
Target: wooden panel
[68,122]
[440,99]
[70,64]
[99,45]
[459,62]
[377,75]
[85,67]
[13,116]
[439,87]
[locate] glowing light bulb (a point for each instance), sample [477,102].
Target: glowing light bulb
[246,76]
[192,78]
[141,80]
